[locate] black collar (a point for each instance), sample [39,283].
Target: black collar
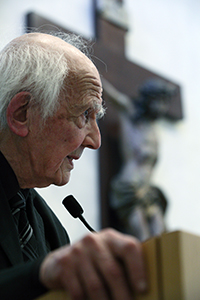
[8,178]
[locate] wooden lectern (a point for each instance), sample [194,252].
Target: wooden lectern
[173,268]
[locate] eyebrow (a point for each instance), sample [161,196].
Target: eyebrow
[97,107]
[100,108]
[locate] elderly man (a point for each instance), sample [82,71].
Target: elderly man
[50,99]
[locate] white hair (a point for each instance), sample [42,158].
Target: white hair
[41,71]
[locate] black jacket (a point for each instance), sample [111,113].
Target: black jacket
[19,280]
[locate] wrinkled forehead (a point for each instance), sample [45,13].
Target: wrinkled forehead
[83,88]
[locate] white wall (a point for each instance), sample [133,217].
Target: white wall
[164,37]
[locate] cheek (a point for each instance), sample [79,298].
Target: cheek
[63,137]
[73,139]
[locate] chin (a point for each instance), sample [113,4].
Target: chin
[64,179]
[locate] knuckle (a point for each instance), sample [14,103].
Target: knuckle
[131,246]
[59,261]
[64,261]
[90,241]
[76,251]
[89,238]
[67,258]
[110,233]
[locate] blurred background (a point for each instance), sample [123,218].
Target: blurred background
[163,37]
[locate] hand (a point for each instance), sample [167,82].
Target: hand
[104,265]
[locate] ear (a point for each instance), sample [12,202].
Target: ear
[17,113]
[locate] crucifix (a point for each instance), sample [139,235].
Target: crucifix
[125,76]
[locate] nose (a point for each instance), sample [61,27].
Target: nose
[93,137]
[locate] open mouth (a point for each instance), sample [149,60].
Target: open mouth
[70,160]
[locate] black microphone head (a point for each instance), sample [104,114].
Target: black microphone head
[72,205]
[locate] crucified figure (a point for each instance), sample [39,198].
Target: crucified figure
[138,205]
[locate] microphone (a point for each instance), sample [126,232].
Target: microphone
[75,209]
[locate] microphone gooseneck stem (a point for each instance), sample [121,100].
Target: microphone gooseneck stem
[86,224]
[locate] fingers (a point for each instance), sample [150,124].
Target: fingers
[105,278]
[136,268]
[129,252]
[59,270]
[107,265]
[93,282]
[90,280]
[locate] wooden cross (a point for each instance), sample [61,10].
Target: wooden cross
[126,76]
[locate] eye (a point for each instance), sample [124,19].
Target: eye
[86,113]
